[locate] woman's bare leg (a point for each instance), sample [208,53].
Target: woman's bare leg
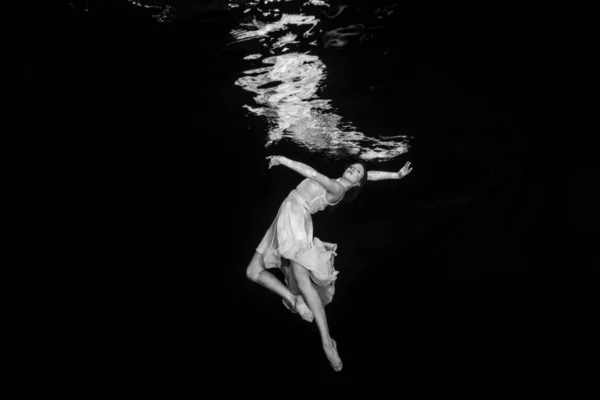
[257,273]
[313,301]
[301,306]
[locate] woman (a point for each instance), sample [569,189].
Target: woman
[306,262]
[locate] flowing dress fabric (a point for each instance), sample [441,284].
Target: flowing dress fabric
[290,237]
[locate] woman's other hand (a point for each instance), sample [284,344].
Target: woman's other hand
[404,170]
[274,160]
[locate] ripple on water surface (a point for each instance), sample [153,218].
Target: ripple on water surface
[286,74]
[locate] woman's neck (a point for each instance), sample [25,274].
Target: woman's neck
[345,183]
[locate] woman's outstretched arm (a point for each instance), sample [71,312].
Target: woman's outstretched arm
[330,185]
[382,175]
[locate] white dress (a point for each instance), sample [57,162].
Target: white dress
[290,237]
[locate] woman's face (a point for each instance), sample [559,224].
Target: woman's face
[354,173]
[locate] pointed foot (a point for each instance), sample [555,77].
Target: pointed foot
[333,356]
[303,310]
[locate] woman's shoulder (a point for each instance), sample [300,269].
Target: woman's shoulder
[305,182]
[315,187]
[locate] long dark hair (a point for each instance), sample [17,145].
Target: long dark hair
[352,194]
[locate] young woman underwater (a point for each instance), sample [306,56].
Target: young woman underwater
[307,262]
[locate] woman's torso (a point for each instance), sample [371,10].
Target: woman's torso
[315,195]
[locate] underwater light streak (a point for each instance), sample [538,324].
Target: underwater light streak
[286,89]
[286,94]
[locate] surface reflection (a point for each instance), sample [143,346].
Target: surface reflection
[286,82]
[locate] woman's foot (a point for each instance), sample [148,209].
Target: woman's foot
[333,356]
[299,306]
[289,305]
[303,310]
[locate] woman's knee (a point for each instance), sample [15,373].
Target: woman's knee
[254,268]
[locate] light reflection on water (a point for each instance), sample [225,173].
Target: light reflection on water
[164,12]
[287,76]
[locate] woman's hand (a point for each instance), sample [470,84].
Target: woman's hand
[274,160]
[404,170]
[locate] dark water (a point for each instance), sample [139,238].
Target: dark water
[447,278]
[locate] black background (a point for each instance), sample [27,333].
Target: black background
[463,276]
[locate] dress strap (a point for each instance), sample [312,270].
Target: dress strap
[337,202]
[333,204]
